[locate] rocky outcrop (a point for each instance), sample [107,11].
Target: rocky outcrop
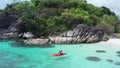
[18,27]
[15,30]
[85,34]
[11,27]
[1,32]
[16,35]
[7,18]
[80,34]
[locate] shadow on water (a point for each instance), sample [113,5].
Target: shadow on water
[93,58]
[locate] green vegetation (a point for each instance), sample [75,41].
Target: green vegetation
[48,17]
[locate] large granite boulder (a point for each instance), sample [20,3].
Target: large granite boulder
[85,34]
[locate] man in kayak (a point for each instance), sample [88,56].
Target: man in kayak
[60,52]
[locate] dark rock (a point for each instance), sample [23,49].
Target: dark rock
[15,30]
[100,51]
[118,52]
[117,63]
[11,25]
[7,18]
[109,60]
[18,26]
[1,32]
[92,58]
[118,55]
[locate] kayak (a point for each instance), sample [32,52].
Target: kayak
[58,54]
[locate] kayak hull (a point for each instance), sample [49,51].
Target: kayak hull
[58,54]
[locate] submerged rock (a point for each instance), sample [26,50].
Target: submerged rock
[92,58]
[100,51]
[109,60]
[118,52]
[117,63]
[118,55]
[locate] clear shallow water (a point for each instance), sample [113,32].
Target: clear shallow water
[36,57]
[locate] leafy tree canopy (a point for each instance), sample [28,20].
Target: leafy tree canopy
[48,17]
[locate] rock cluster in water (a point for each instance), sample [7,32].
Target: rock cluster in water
[92,58]
[96,59]
[100,51]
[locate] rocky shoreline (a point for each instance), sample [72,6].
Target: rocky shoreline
[80,34]
[57,40]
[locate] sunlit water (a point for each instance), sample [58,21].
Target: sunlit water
[36,57]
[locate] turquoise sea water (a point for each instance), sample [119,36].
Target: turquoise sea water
[36,57]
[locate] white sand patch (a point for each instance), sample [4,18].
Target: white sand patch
[112,42]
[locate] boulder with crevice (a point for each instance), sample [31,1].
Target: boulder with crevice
[85,34]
